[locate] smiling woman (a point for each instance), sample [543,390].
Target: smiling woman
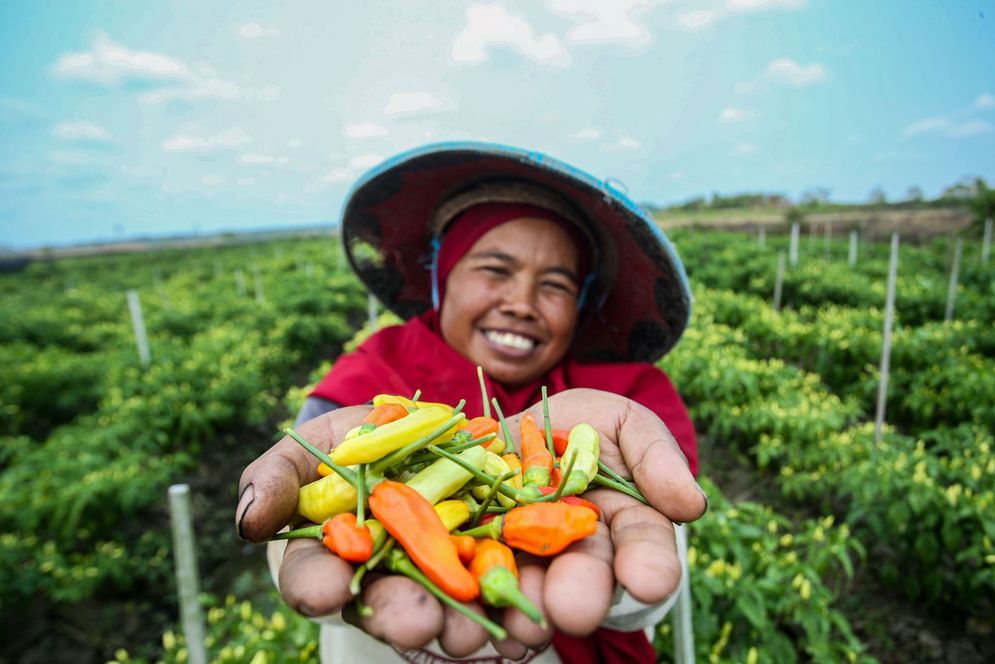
[544,277]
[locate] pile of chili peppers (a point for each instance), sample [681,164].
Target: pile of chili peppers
[396,490]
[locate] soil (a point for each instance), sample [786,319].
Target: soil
[895,630]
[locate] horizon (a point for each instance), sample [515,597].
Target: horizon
[122,121]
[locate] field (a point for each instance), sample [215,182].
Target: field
[819,545]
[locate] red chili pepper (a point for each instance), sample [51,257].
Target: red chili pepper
[414,523]
[560,439]
[537,462]
[343,537]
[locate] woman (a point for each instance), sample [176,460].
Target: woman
[542,276]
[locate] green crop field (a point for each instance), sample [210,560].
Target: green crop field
[812,525]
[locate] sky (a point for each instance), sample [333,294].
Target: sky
[122,119]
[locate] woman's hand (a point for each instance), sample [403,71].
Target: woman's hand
[634,546]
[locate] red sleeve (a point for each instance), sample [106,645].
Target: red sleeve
[654,390]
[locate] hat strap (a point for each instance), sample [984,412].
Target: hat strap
[586,288]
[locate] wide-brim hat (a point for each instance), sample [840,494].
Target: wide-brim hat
[640,302]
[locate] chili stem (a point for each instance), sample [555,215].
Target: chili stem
[417,396]
[381,548]
[362,609]
[378,467]
[308,532]
[483,391]
[603,467]
[399,562]
[546,424]
[504,426]
[489,497]
[623,488]
[343,472]
[518,495]
[360,495]
[455,449]
[563,478]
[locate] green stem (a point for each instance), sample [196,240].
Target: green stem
[603,467]
[563,478]
[362,609]
[504,426]
[400,563]
[546,424]
[397,456]
[361,494]
[417,396]
[455,449]
[623,488]
[483,391]
[523,496]
[343,472]
[489,497]
[490,529]
[381,547]
[308,532]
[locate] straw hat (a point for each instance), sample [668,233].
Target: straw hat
[638,302]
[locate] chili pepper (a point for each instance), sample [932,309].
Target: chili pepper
[323,468]
[515,464]
[452,512]
[560,439]
[417,527]
[346,539]
[572,500]
[496,572]
[543,529]
[408,404]
[325,497]
[494,466]
[466,547]
[536,458]
[444,477]
[523,496]
[479,427]
[390,437]
[584,449]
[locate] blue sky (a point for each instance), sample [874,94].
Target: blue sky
[122,119]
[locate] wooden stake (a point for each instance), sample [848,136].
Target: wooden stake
[187,578]
[853,249]
[138,324]
[889,314]
[779,281]
[952,289]
[762,237]
[793,252]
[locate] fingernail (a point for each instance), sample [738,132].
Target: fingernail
[248,495]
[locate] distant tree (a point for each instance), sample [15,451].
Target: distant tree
[877,196]
[964,190]
[983,203]
[914,194]
[815,197]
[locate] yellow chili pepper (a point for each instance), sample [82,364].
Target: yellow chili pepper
[515,464]
[323,468]
[583,447]
[390,437]
[326,497]
[381,399]
[494,466]
[452,512]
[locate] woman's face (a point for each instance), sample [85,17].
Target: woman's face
[511,301]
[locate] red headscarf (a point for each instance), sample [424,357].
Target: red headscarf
[405,358]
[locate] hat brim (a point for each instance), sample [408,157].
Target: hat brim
[385,228]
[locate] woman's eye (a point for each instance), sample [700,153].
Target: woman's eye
[495,269]
[559,286]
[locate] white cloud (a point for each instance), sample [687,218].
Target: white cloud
[490,25]
[82,131]
[706,13]
[984,101]
[338,175]
[786,70]
[364,161]
[754,5]
[364,130]
[733,114]
[947,128]
[588,134]
[696,19]
[629,143]
[231,138]
[406,103]
[213,179]
[744,149]
[255,31]
[109,64]
[254,159]
[599,21]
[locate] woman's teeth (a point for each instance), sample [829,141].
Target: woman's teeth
[511,340]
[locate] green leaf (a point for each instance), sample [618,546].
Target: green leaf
[751,605]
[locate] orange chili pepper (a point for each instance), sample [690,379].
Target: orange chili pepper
[543,529]
[343,537]
[481,426]
[536,459]
[560,439]
[414,523]
[466,547]
[495,569]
